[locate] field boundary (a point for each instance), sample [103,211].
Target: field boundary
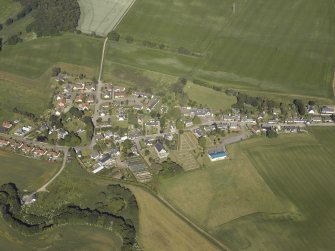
[124,14]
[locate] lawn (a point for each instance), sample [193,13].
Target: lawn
[8,8]
[272,194]
[209,97]
[28,174]
[279,46]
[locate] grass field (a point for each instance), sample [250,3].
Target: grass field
[27,173]
[62,238]
[101,16]
[283,46]
[271,195]
[25,69]
[158,228]
[209,97]
[8,8]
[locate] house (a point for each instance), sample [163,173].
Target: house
[327,110]
[7,124]
[222,126]
[168,136]
[192,112]
[61,102]
[152,123]
[84,106]
[27,149]
[62,133]
[39,152]
[95,155]
[255,129]
[216,156]
[290,129]
[198,133]
[115,151]
[4,142]
[162,153]
[61,77]
[248,120]
[67,88]
[105,159]
[141,95]
[152,104]
[79,98]
[316,119]
[90,99]
[138,107]
[79,87]
[233,126]
[121,116]
[188,123]
[118,95]
[53,155]
[311,110]
[16,145]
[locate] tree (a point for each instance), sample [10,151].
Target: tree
[9,21]
[146,152]
[76,112]
[271,133]
[129,39]
[1,27]
[114,36]
[162,46]
[184,51]
[300,106]
[196,120]
[56,71]
[202,142]
[13,40]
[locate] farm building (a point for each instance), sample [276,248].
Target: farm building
[216,156]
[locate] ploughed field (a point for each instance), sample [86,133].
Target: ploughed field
[101,16]
[272,194]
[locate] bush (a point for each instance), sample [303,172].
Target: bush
[114,36]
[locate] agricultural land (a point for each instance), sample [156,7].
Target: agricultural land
[167,125]
[101,17]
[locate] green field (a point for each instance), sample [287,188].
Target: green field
[209,97]
[62,238]
[284,46]
[28,174]
[8,8]
[25,69]
[272,194]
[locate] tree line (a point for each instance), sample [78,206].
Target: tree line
[27,223]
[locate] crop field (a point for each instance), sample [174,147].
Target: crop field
[279,46]
[102,16]
[272,194]
[27,173]
[160,229]
[209,97]
[8,8]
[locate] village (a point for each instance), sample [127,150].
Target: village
[126,134]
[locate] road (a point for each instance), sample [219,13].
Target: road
[44,187]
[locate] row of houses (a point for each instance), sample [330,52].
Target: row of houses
[30,149]
[79,87]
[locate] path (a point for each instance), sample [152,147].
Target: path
[44,188]
[199,229]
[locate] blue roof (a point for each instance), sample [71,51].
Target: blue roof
[159,147]
[218,155]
